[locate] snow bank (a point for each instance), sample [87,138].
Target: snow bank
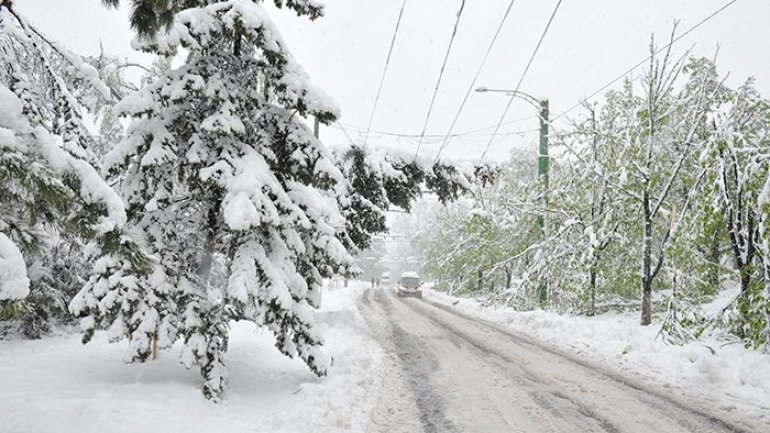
[57,384]
[14,283]
[10,110]
[727,376]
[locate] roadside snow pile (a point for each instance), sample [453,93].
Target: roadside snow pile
[725,375]
[57,384]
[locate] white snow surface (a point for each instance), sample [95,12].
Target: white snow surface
[10,110]
[56,384]
[14,283]
[731,377]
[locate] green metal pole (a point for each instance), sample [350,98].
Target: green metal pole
[543,169]
[544,162]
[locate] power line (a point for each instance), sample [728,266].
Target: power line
[475,77]
[646,59]
[472,133]
[339,125]
[476,131]
[440,76]
[385,70]
[510,122]
[524,74]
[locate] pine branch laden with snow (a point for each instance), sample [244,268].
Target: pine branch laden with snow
[49,181]
[375,180]
[151,16]
[231,192]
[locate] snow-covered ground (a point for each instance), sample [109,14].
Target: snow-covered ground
[56,384]
[731,377]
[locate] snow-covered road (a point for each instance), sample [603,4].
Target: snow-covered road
[451,373]
[401,365]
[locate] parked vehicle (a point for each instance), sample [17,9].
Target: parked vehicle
[410,285]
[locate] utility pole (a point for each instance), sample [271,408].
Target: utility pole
[543,173]
[543,168]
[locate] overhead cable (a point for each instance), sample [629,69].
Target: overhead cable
[385,70]
[475,77]
[440,76]
[523,75]
[646,59]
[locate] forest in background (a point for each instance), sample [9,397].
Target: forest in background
[658,200]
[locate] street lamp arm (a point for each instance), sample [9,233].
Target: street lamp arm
[525,96]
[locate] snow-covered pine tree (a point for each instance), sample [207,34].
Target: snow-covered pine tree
[49,182]
[218,167]
[150,16]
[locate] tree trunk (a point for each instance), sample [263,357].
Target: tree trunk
[154,347]
[745,280]
[237,44]
[714,258]
[592,292]
[480,281]
[204,268]
[647,262]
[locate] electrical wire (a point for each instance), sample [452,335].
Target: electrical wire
[440,76]
[475,77]
[441,137]
[384,71]
[510,122]
[477,131]
[646,59]
[524,74]
[410,140]
[342,128]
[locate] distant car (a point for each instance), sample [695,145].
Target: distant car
[410,285]
[385,279]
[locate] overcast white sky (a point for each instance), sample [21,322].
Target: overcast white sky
[590,42]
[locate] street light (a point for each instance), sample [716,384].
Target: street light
[543,162]
[525,96]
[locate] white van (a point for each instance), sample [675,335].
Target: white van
[410,285]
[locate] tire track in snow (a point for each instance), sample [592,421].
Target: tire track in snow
[554,402]
[688,418]
[417,365]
